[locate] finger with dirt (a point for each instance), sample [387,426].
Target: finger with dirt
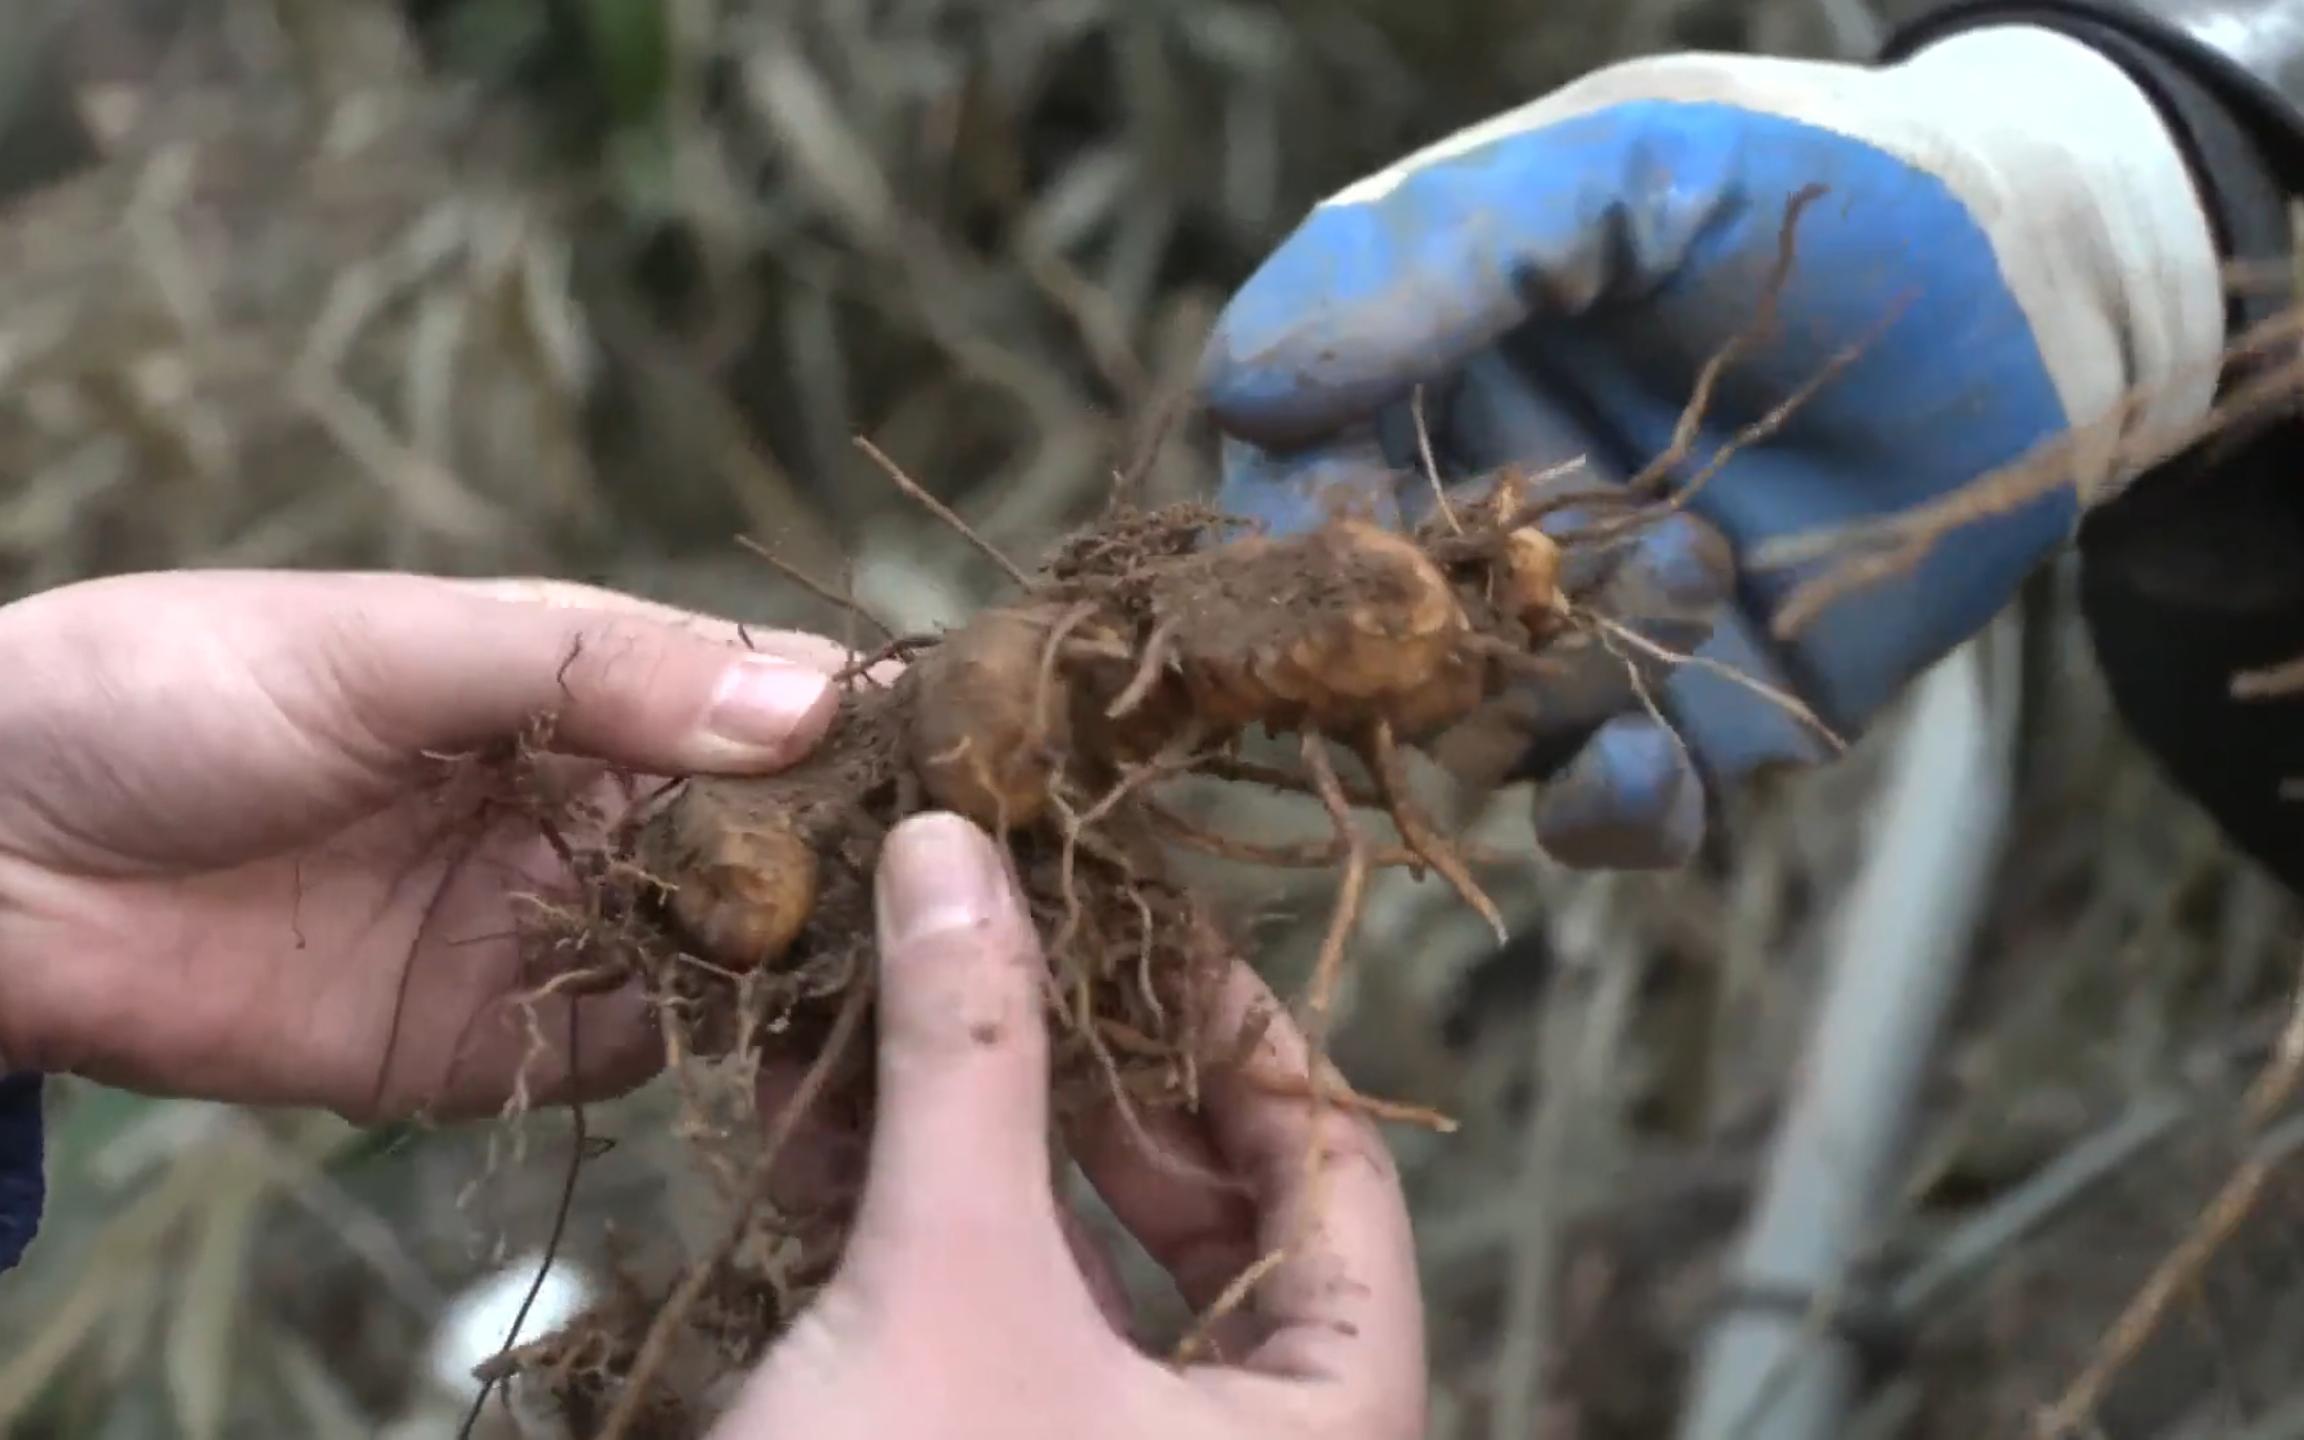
[1163,1180]
[801,647]
[631,689]
[1340,1303]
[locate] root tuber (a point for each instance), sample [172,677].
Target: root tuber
[988,724]
[1148,649]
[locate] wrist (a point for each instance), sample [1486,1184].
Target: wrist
[2060,157]
[2092,207]
[2073,173]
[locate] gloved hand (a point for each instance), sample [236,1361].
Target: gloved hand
[2006,232]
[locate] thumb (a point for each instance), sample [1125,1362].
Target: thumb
[959,1161]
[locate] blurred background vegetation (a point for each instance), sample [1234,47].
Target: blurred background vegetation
[592,287]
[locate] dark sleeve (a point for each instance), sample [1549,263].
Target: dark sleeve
[2196,571]
[23,1184]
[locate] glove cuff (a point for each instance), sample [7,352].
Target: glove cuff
[2242,141]
[2061,157]
[2101,230]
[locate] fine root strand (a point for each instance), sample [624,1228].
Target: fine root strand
[1344,1097]
[1384,760]
[1788,703]
[578,1144]
[1200,1339]
[1431,465]
[920,496]
[847,604]
[2181,1270]
[1652,476]
[656,1345]
[2092,457]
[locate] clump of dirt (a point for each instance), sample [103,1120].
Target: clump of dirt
[1145,650]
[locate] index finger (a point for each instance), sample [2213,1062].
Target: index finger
[798,646]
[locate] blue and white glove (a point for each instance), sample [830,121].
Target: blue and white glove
[2006,225]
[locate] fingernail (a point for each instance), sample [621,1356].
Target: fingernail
[770,708]
[938,873]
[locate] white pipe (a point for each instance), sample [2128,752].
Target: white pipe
[1898,945]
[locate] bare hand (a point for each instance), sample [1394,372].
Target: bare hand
[229,865]
[963,1308]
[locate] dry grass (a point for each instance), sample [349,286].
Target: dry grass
[354,316]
